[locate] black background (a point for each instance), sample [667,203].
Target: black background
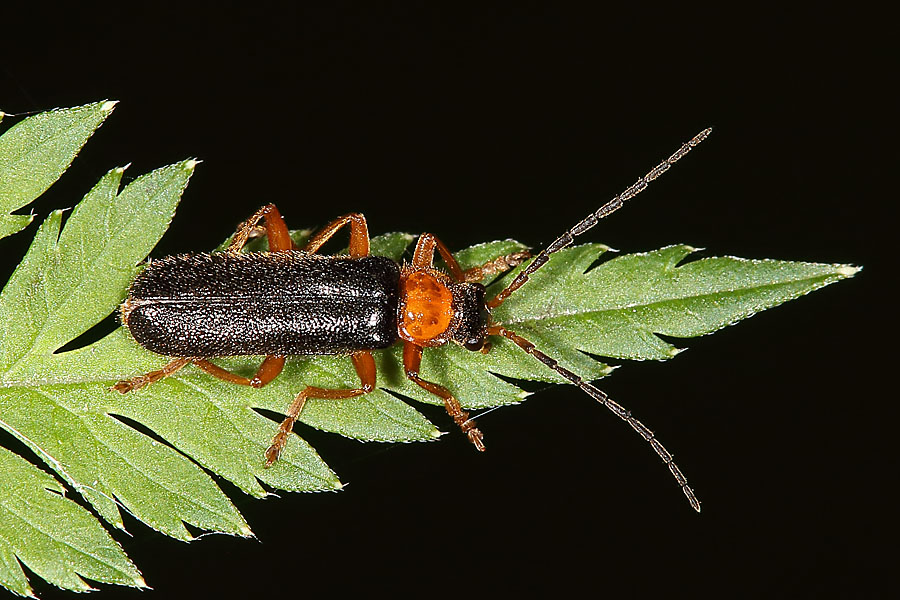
[485,123]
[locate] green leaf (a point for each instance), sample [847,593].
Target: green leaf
[53,536]
[615,309]
[68,282]
[155,452]
[569,311]
[35,152]
[58,404]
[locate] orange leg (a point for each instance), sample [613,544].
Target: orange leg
[428,243]
[501,264]
[269,369]
[423,257]
[412,359]
[276,230]
[365,369]
[136,383]
[359,235]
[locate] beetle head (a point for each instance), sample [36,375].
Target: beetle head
[471,315]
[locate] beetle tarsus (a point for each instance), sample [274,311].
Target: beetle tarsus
[135,383]
[127,385]
[468,427]
[476,437]
[279,441]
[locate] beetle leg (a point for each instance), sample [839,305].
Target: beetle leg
[276,230]
[359,235]
[269,369]
[501,264]
[136,383]
[365,369]
[412,359]
[423,257]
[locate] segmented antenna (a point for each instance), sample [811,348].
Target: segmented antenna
[603,399]
[592,219]
[558,244]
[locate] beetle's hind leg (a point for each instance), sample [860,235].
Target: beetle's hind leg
[365,369]
[276,230]
[268,370]
[136,383]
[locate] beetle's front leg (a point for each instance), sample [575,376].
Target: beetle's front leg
[428,243]
[365,369]
[501,264]
[412,359]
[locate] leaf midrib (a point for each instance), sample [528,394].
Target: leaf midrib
[654,303]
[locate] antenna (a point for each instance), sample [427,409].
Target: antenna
[592,219]
[558,244]
[601,397]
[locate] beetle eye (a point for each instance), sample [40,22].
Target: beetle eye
[474,344]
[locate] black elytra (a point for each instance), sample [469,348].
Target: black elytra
[285,303]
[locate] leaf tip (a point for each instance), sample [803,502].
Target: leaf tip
[607,370]
[108,106]
[190,164]
[246,531]
[848,270]
[140,582]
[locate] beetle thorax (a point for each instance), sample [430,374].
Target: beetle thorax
[425,311]
[434,310]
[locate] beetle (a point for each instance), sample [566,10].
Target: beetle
[291,301]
